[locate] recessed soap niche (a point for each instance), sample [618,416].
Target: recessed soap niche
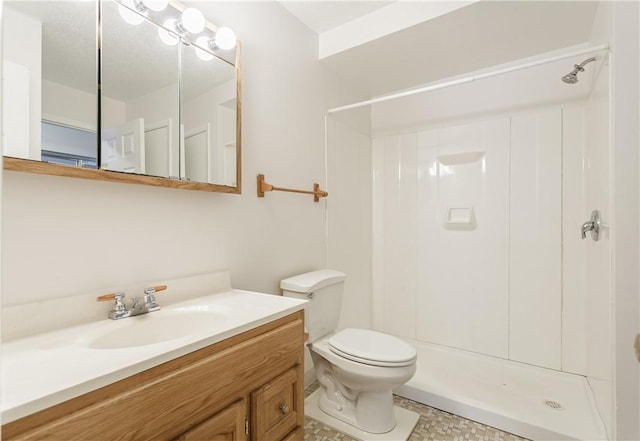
[460,216]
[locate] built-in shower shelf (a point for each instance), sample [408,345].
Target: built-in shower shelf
[460,217]
[460,158]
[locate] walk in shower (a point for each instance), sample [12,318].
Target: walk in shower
[468,200]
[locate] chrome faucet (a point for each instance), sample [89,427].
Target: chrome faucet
[137,306]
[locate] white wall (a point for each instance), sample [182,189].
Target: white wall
[625,217]
[64,236]
[66,105]
[350,217]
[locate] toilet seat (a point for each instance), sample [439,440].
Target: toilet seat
[372,348]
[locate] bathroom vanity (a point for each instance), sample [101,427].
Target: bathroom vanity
[244,382]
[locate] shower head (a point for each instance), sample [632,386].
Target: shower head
[572,77]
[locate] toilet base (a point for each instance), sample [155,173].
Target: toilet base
[406,421]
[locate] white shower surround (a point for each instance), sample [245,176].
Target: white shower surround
[493,285]
[511,284]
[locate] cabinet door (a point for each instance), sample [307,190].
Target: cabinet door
[277,407]
[226,425]
[296,435]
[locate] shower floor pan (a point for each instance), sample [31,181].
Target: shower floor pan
[529,401]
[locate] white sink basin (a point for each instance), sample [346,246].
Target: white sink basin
[159,327]
[83,358]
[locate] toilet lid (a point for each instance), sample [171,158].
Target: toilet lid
[371,347]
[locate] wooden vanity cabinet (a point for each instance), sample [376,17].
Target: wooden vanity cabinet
[245,388]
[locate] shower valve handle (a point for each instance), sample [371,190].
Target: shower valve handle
[592,225]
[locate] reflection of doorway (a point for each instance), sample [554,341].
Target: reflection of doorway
[123,147]
[157,146]
[196,154]
[66,144]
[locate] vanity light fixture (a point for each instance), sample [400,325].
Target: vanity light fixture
[224,39]
[203,42]
[169,37]
[127,9]
[155,5]
[192,21]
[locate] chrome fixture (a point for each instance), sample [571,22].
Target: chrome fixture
[572,77]
[136,307]
[593,225]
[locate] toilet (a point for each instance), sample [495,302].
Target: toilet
[356,368]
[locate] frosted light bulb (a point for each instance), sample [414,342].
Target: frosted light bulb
[156,5]
[202,54]
[168,37]
[131,17]
[193,20]
[225,38]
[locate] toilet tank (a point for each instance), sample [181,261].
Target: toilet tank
[323,289]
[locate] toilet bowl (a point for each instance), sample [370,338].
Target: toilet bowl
[357,368]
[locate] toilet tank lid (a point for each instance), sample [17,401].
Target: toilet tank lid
[311,281]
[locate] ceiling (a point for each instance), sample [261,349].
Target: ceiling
[321,16]
[472,36]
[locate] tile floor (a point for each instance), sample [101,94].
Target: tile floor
[433,425]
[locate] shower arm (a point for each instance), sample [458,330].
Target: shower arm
[580,67]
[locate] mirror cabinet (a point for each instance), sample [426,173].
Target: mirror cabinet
[139,91]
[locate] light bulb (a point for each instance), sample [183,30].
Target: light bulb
[168,37]
[193,20]
[225,38]
[202,54]
[128,15]
[156,5]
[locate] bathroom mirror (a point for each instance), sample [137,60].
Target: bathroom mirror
[140,99]
[209,105]
[49,72]
[152,116]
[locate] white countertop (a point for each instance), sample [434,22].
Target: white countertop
[46,369]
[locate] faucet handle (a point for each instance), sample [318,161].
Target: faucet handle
[119,309]
[150,298]
[112,296]
[154,289]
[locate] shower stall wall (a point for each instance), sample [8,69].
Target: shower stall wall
[468,229]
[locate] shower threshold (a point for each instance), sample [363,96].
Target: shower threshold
[526,400]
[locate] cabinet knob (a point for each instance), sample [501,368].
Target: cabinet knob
[284,409]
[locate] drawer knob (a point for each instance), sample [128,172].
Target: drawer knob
[284,409]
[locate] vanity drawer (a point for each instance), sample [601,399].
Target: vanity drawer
[277,407]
